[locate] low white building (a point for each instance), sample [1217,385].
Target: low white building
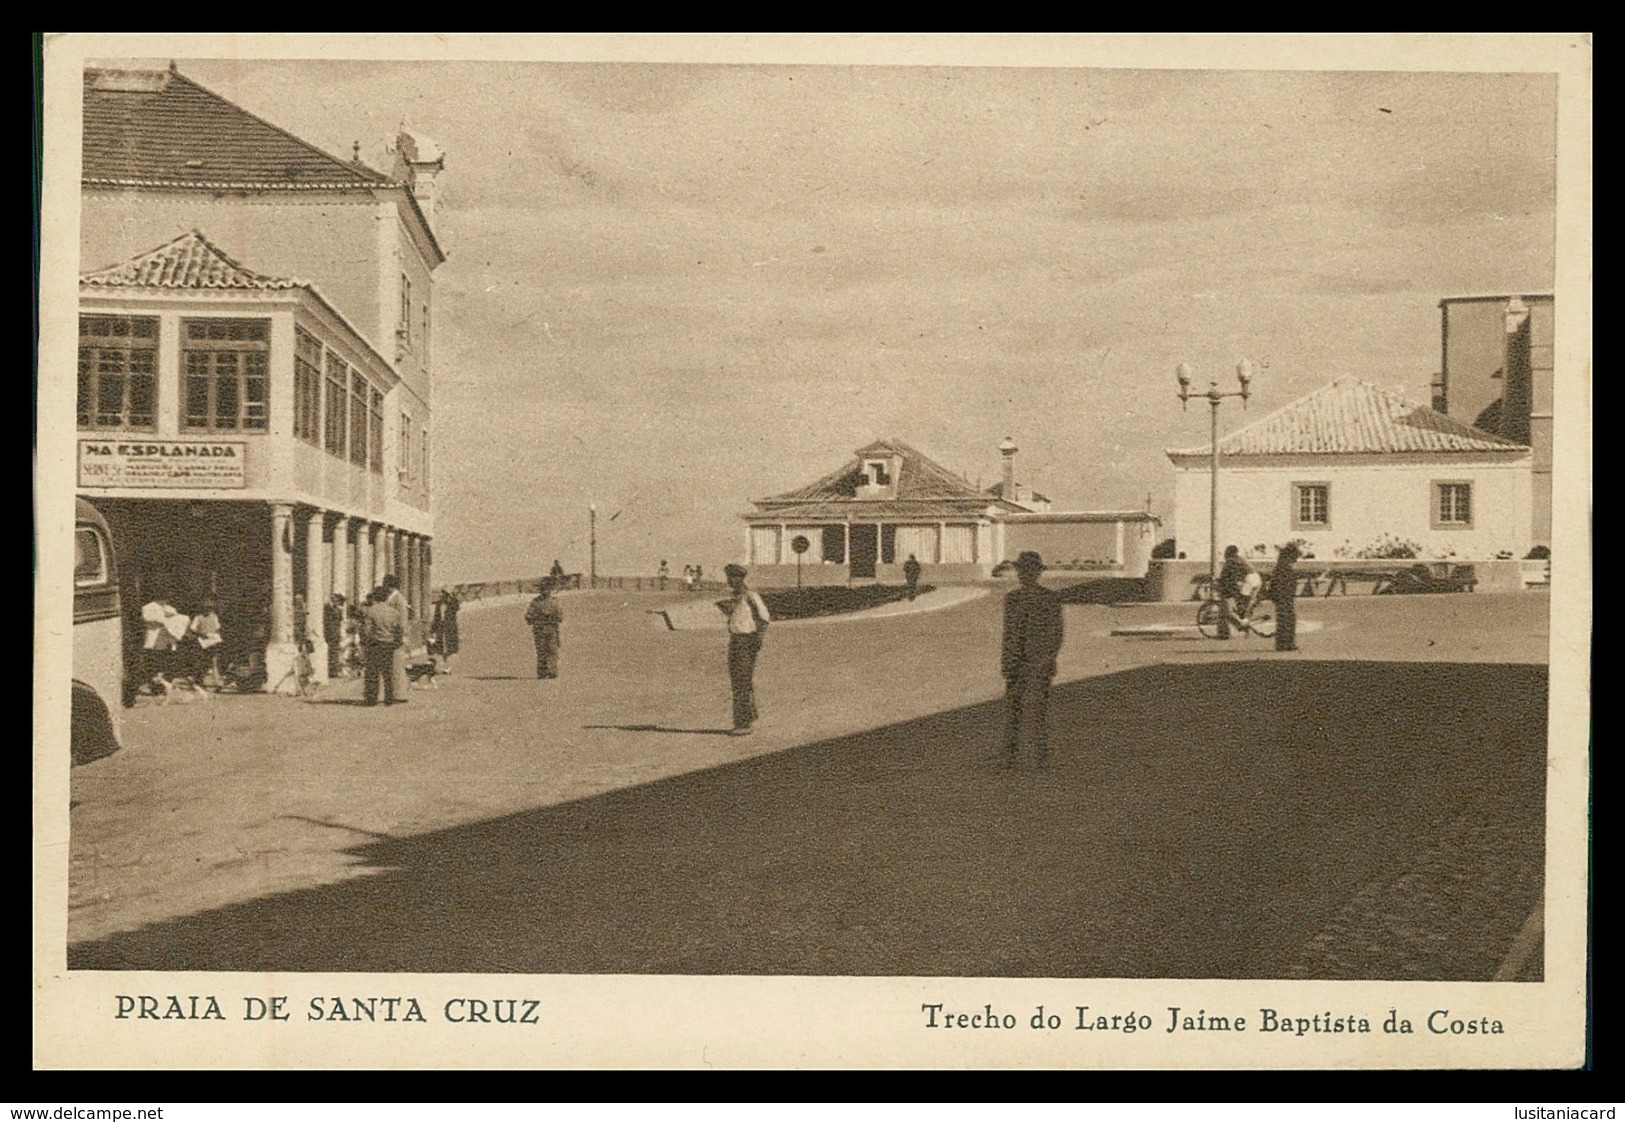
[1350,466]
[863,521]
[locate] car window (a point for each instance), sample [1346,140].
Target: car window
[89,558]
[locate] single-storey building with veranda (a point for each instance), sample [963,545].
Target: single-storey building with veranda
[890,501]
[1350,466]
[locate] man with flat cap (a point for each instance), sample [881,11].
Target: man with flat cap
[1032,639]
[747,623]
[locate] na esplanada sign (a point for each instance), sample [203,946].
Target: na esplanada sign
[162,463]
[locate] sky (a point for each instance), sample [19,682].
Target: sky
[671,289]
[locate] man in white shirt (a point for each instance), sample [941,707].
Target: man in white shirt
[397,600]
[747,623]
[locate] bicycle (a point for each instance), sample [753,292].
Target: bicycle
[1254,615]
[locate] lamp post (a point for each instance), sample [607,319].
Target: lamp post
[592,545]
[1244,375]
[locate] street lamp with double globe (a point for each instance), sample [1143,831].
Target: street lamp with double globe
[1244,374]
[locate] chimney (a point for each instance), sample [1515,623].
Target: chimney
[1008,450]
[418,163]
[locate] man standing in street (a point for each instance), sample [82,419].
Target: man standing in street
[1284,591]
[381,633]
[911,575]
[333,613]
[396,599]
[545,618]
[1032,640]
[747,623]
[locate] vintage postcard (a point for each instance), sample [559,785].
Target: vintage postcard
[813,551]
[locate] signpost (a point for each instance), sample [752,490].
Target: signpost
[799,545]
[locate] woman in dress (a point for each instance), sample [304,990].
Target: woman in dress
[443,628]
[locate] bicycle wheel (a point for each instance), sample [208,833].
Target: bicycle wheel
[1261,620]
[1208,617]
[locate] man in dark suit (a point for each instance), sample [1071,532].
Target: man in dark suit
[382,631]
[1032,640]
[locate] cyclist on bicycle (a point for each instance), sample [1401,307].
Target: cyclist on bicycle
[1237,584]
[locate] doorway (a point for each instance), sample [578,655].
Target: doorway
[865,549]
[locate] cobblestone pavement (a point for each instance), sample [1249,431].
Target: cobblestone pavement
[1370,807]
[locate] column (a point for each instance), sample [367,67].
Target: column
[279,652]
[315,590]
[409,583]
[1117,555]
[355,533]
[425,585]
[361,558]
[281,573]
[427,571]
[386,553]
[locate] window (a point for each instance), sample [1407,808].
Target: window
[403,452]
[118,372]
[423,471]
[226,364]
[307,386]
[1311,506]
[375,430]
[877,473]
[425,339]
[1452,506]
[404,331]
[338,393]
[358,418]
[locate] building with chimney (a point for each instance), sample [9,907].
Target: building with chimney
[1496,372]
[864,520]
[256,346]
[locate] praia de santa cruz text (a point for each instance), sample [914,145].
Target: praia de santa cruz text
[1088,1018]
[207,1007]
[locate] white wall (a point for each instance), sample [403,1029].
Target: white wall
[1369,497]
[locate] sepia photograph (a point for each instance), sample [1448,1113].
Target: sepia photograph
[864,551]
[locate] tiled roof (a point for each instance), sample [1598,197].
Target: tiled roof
[153,129]
[190,261]
[926,510]
[920,479]
[1351,417]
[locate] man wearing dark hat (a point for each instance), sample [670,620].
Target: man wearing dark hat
[1032,639]
[1284,591]
[747,623]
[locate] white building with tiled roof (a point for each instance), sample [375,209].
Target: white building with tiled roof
[891,501]
[255,369]
[1352,464]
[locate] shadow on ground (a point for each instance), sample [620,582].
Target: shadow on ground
[1245,820]
[1103,590]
